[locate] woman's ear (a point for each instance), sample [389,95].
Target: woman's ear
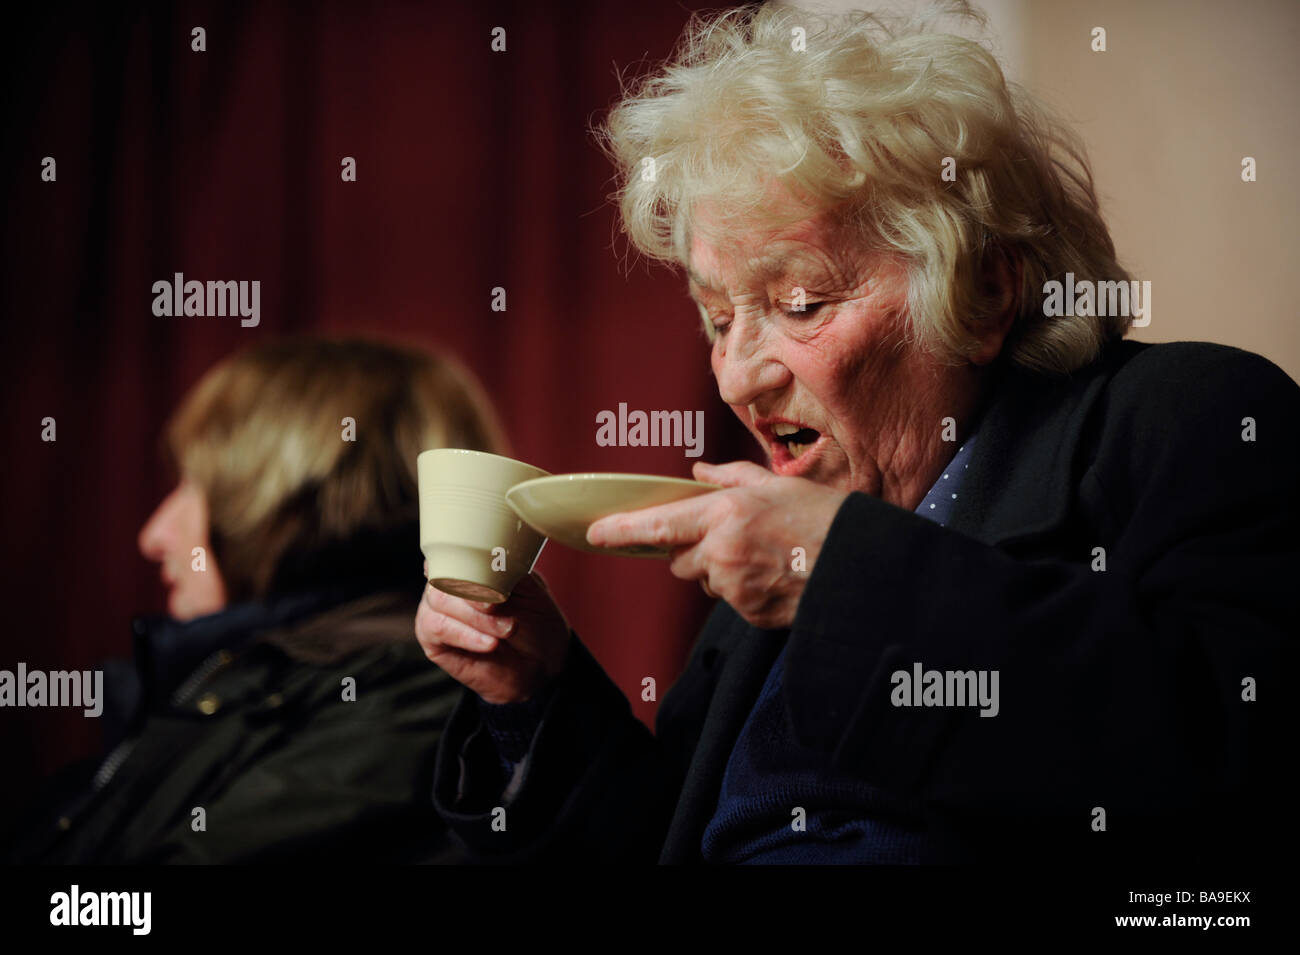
[1001,276]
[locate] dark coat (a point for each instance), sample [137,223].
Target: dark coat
[1121,689]
[259,735]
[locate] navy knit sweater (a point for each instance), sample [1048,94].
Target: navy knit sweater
[769,776]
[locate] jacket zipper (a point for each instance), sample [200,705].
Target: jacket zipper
[208,667]
[108,769]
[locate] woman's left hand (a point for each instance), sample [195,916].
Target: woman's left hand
[753,544]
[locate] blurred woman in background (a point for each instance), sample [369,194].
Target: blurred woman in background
[281,711]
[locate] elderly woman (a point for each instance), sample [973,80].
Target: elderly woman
[281,711]
[1009,583]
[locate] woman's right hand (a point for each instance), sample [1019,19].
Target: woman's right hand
[503,652]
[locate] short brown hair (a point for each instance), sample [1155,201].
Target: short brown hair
[263,434]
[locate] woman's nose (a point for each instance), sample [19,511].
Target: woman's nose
[152,539]
[745,365]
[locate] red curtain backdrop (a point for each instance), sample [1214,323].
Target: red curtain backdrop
[475,169]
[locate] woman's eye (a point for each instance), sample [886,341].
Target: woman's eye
[800,310]
[714,324]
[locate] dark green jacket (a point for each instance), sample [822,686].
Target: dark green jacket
[312,739]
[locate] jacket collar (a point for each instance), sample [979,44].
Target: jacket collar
[326,638]
[1020,480]
[168,650]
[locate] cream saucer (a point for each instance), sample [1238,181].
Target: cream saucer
[563,506]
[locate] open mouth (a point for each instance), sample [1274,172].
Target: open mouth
[793,438]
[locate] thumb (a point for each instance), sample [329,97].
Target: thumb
[735,474]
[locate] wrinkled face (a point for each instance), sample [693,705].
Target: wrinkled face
[832,391]
[176,527]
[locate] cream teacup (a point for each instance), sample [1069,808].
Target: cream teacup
[475,545]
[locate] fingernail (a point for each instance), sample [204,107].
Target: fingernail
[486,642]
[505,626]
